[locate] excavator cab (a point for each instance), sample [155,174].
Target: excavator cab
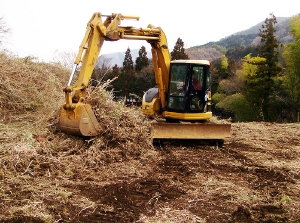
[189,86]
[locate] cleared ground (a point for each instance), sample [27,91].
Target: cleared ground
[253,178]
[49,176]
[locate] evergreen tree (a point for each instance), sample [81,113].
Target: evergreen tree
[179,51]
[116,70]
[142,60]
[127,75]
[117,84]
[128,62]
[262,84]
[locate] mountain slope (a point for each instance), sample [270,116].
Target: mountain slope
[248,37]
[213,50]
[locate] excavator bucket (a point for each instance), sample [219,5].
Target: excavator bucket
[79,121]
[183,130]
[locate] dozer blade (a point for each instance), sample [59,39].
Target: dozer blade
[80,121]
[164,130]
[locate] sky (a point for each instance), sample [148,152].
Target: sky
[44,28]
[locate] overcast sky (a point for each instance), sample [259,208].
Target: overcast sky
[42,27]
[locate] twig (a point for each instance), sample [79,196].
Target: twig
[27,167]
[84,209]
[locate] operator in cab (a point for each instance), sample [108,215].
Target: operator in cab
[195,81]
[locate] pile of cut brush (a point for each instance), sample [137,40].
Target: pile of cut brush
[124,127]
[34,90]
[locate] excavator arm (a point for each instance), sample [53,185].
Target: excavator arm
[76,116]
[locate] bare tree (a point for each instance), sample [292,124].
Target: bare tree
[66,59]
[4,30]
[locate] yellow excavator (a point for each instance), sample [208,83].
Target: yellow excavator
[182,110]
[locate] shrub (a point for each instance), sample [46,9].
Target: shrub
[217,97]
[237,104]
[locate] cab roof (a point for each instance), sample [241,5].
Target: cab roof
[204,62]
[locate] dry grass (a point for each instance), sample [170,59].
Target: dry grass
[118,176]
[26,87]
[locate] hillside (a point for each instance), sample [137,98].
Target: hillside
[119,176]
[248,37]
[213,50]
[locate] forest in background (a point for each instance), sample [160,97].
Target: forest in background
[254,75]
